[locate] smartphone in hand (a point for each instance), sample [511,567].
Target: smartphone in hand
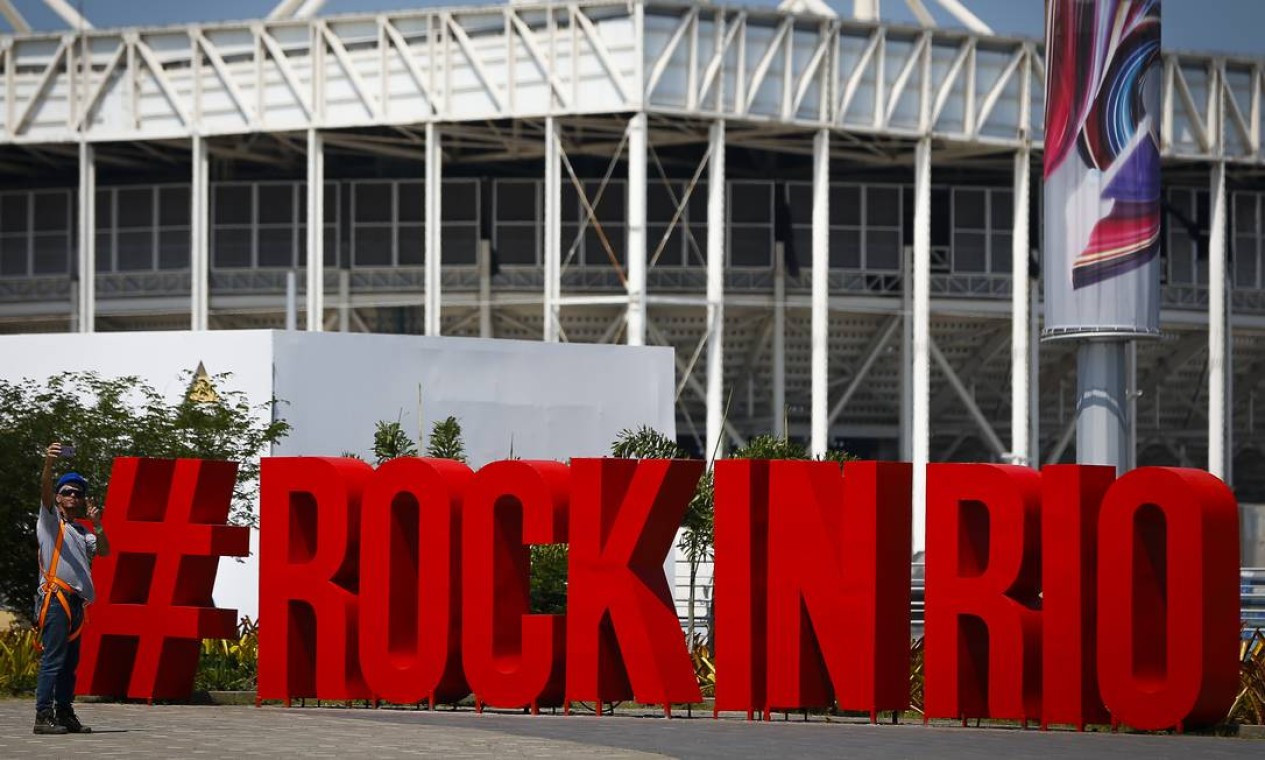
[67,451]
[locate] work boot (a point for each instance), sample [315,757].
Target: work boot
[67,719]
[46,723]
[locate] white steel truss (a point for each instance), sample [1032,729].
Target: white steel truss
[591,56]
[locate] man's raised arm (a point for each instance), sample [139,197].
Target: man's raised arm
[46,481]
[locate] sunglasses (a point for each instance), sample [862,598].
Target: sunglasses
[70,492]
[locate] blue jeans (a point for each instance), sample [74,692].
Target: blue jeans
[56,681]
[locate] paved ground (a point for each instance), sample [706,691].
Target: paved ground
[186,731]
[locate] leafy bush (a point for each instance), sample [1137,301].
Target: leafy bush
[446,442]
[230,664]
[549,579]
[391,442]
[19,660]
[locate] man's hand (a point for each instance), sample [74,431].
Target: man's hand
[52,452]
[103,541]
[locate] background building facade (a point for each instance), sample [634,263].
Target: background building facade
[836,223]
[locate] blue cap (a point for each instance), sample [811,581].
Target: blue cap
[69,478]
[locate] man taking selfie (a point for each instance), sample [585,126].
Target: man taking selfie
[66,552]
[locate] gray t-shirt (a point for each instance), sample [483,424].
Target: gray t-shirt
[74,566]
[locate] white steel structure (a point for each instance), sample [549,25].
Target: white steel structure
[835,222]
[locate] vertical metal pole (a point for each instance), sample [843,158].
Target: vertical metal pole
[1101,407]
[715,288]
[433,299]
[485,288]
[1131,409]
[637,230]
[199,236]
[315,231]
[921,427]
[1034,375]
[821,291]
[553,230]
[86,305]
[1020,355]
[344,300]
[907,355]
[292,301]
[779,340]
[1218,418]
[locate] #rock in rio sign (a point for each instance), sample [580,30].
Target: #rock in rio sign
[1063,596]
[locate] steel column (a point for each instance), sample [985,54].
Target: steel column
[292,301]
[1102,433]
[715,288]
[920,435]
[1020,354]
[553,231]
[637,157]
[86,297]
[907,355]
[1034,379]
[315,231]
[779,340]
[1131,409]
[485,287]
[344,300]
[199,236]
[820,424]
[433,299]
[1218,418]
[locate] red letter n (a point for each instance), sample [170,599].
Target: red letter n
[839,585]
[623,635]
[983,642]
[309,543]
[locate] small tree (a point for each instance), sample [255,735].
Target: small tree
[698,538]
[446,442]
[106,418]
[391,442]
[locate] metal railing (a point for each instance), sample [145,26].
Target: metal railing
[464,278]
[1252,598]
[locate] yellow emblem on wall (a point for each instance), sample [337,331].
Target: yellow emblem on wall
[201,390]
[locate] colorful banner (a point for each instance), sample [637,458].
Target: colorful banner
[1102,168]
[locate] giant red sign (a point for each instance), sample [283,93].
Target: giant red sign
[1063,596]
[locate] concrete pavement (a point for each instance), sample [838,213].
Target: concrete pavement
[164,731]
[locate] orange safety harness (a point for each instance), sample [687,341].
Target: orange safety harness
[54,586]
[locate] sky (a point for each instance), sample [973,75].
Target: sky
[1234,27]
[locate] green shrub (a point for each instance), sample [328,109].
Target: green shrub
[230,664]
[19,660]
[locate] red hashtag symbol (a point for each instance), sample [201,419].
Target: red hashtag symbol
[165,521]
